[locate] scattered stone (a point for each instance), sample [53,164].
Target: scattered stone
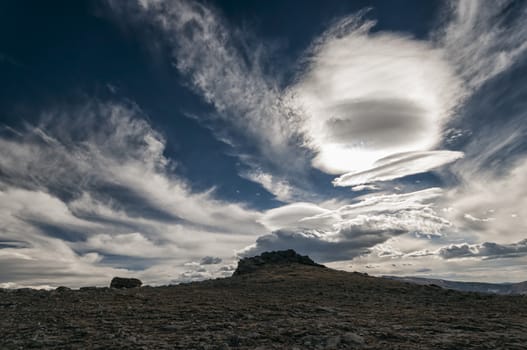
[121,282]
[352,338]
[333,342]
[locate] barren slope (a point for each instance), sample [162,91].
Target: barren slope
[276,307]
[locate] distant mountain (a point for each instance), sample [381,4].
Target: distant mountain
[494,288]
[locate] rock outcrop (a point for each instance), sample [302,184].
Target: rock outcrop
[121,282]
[280,257]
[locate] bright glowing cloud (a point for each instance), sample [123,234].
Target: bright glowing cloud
[368,96]
[398,165]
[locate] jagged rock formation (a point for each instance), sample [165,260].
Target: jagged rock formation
[280,257]
[121,282]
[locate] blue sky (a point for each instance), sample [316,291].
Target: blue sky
[165,139]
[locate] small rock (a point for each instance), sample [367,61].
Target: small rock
[171,327]
[132,339]
[325,309]
[234,340]
[333,342]
[352,338]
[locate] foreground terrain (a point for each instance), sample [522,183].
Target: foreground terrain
[277,306]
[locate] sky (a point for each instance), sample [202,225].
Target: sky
[164,140]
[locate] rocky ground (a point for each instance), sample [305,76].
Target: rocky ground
[278,306]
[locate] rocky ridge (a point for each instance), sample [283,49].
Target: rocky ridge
[276,306]
[272,259]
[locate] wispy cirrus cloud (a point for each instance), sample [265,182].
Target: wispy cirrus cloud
[66,186]
[280,188]
[483,41]
[228,71]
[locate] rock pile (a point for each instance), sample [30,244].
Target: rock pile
[280,257]
[121,282]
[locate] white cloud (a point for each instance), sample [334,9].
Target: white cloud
[365,93]
[281,189]
[129,244]
[482,40]
[398,165]
[489,206]
[292,216]
[358,188]
[493,270]
[210,260]
[359,97]
[348,231]
[226,69]
[60,201]
[488,250]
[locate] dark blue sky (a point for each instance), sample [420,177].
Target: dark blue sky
[348,130]
[61,53]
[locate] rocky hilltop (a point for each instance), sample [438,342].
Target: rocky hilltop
[279,305]
[273,259]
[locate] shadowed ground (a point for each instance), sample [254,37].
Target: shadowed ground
[276,307]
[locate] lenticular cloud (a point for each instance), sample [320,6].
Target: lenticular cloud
[367,96]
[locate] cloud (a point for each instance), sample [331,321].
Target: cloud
[281,189]
[487,250]
[358,188]
[398,165]
[292,216]
[364,93]
[356,97]
[487,199]
[88,192]
[133,244]
[210,260]
[227,69]
[349,231]
[483,41]
[489,206]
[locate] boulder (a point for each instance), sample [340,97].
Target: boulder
[121,282]
[280,257]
